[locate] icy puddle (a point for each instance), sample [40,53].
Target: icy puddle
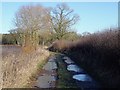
[74,68]
[69,61]
[82,77]
[66,58]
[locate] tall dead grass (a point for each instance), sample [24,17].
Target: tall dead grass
[17,67]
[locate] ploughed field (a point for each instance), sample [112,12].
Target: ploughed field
[10,49]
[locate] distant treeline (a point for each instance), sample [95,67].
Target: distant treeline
[8,39]
[14,39]
[98,54]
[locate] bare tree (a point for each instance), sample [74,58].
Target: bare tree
[31,20]
[62,18]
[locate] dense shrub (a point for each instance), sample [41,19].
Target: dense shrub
[60,45]
[98,54]
[8,39]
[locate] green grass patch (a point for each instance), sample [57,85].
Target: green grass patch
[64,77]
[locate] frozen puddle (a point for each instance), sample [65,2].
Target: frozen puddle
[82,77]
[69,61]
[66,58]
[74,68]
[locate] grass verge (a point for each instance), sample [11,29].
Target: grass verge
[64,77]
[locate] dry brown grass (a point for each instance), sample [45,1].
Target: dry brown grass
[18,67]
[0,67]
